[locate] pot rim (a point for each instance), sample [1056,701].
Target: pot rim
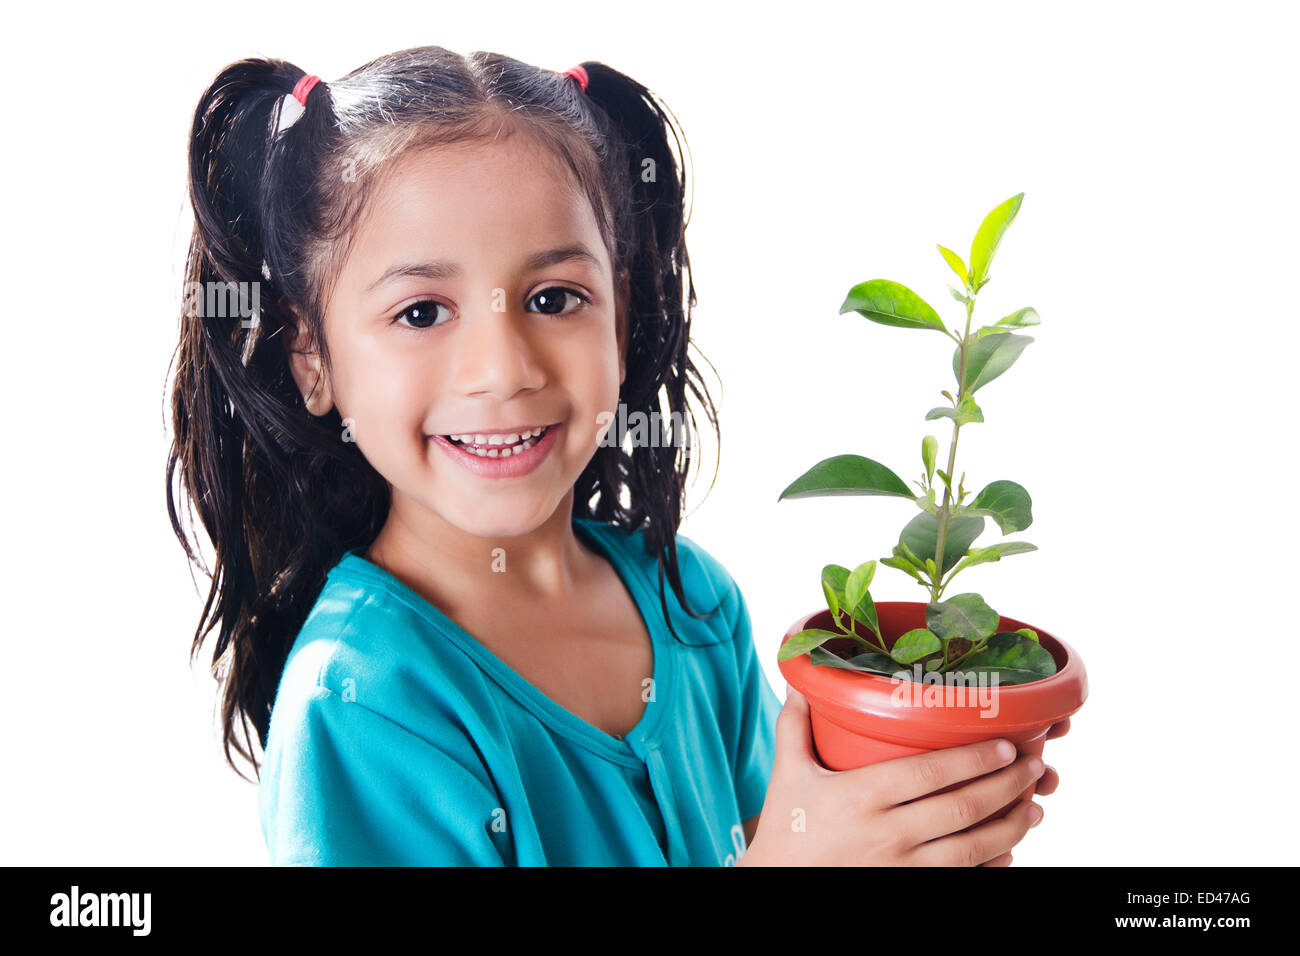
[851,698]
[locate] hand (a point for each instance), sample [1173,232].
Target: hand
[1047,783]
[887,814]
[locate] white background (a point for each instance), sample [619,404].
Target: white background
[1152,420]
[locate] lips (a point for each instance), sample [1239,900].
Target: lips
[502,461]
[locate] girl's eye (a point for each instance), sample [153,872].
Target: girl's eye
[553,297]
[420,315]
[423,314]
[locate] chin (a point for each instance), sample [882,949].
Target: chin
[491,520]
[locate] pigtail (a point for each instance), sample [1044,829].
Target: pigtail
[244,459]
[646,140]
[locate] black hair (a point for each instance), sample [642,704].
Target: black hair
[280,496]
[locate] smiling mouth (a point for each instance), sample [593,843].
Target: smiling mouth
[503,446]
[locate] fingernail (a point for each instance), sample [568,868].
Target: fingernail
[787,691]
[1035,814]
[1005,750]
[1036,767]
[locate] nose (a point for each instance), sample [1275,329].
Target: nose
[495,354]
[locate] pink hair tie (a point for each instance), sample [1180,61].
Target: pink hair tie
[304,87]
[579,74]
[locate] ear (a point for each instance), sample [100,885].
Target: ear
[305,362]
[622,295]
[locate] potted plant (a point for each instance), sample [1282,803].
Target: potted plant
[895,678]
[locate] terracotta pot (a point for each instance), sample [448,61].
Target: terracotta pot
[860,719]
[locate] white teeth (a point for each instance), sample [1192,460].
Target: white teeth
[499,446]
[512,438]
[501,452]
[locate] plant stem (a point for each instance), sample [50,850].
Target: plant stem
[936,589]
[975,649]
[853,633]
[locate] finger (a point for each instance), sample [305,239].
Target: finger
[981,845]
[1048,782]
[1003,860]
[1059,729]
[794,731]
[908,778]
[944,813]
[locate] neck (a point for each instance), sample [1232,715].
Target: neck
[435,557]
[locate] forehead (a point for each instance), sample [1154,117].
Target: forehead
[473,201]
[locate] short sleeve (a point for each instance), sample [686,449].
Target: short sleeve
[759,708]
[342,785]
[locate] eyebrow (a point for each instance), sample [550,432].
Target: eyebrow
[443,269]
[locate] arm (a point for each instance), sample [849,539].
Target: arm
[345,786]
[756,740]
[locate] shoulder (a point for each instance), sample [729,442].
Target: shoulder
[365,643]
[706,582]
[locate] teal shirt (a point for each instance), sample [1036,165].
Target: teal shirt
[398,739]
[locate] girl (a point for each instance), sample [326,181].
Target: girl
[423,304]
[439,572]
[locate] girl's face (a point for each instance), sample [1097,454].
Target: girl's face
[477,298]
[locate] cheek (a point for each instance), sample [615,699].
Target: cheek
[591,378]
[385,393]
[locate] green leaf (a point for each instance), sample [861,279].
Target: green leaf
[1005,502]
[834,578]
[1020,318]
[914,645]
[979,556]
[871,662]
[902,565]
[1028,632]
[958,296]
[1006,548]
[864,612]
[994,552]
[929,448]
[988,238]
[855,588]
[901,550]
[890,303]
[987,358]
[921,536]
[963,615]
[846,475]
[963,414]
[1011,649]
[1006,675]
[955,263]
[803,642]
